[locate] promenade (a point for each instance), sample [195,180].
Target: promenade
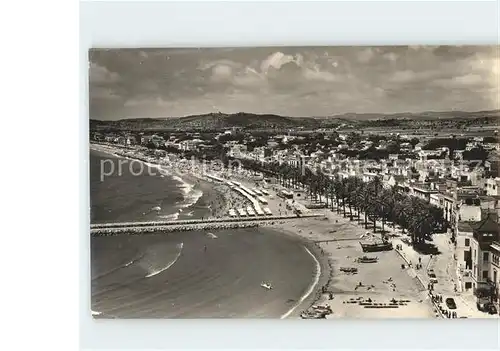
[443,265]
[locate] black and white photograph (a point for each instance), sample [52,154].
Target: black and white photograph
[295,182]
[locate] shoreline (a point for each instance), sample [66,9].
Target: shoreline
[319,279]
[216,198]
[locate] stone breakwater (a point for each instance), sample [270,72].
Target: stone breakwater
[185,225]
[137,230]
[169,229]
[196,221]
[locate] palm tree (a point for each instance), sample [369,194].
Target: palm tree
[374,187]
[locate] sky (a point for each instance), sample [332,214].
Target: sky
[292,81]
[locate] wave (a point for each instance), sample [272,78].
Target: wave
[191,199]
[190,193]
[118,268]
[170,217]
[185,186]
[311,287]
[170,264]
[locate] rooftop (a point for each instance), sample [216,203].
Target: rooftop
[488,225]
[486,231]
[465,227]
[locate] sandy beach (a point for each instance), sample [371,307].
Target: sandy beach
[337,242]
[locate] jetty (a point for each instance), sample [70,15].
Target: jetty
[158,227]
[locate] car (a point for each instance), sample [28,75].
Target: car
[450,303]
[432,276]
[487,307]
[492,309]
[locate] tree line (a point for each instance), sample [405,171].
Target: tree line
[365,202]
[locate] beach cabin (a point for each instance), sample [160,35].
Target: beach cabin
[241,212]
[259,210]
[217,179]
[267,211]
[250,211]
[248,191]
[257,191]
[264,191]
[262,200]
[236,183]
[232,213]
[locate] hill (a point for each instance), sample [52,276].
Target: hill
[219,121]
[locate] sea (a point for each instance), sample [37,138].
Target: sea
[186,274]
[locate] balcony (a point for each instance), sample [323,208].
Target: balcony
[466,273]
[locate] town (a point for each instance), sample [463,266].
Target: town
[422,182]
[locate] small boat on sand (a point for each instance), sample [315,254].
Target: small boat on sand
[366,259]
[352,270]
[266,286]
[376,246]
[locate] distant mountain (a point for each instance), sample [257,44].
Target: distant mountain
[213,121]
[427,115]
[218,121]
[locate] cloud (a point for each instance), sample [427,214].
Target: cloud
[104,93]
[428,48]
[249,77]
[221,72]
[391,56]
[205,65]
[465,81]
[147,101]
[366,55]
[101,75]
[409,76]
[276,61]
[148,85]
[316,74]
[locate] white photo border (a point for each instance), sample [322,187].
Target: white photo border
[226,24]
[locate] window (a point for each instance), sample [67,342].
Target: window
[485,274]
[485,256]
[467,242]
[468,285]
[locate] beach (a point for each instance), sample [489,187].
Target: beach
[337,241]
